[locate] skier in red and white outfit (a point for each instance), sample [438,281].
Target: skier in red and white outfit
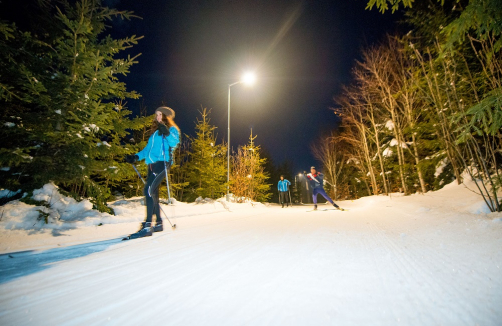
[316,180]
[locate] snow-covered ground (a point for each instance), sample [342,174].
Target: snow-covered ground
[431,259]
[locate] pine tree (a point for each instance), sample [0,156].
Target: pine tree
[207,166]
[248,178]
[62,102]
[178,180]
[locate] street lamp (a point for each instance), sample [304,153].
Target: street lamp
[248,79]
[299,187]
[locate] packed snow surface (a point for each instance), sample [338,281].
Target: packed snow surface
[431,259]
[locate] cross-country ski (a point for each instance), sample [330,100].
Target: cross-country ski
[327,209]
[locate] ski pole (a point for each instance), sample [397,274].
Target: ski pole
[139,174]
[167,181]
[144,182]
[329,183]
[165,169]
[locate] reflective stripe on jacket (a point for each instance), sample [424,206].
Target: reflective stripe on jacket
[316,180]
[282,185]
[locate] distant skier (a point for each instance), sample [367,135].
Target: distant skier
[165,136]
[316,180]
[282,186]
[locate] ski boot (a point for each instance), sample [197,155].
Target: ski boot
[146,230]
[158,227]
[315,207]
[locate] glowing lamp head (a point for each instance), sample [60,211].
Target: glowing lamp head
[249,78]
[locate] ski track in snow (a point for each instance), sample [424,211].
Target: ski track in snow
[269,266]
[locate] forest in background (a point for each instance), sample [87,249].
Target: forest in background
[65,118]
[424,108]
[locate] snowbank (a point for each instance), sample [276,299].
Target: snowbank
[60,220]
[55,212]
[63,220]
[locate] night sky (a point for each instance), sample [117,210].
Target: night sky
[301,51]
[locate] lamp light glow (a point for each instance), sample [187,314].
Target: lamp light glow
[249,78]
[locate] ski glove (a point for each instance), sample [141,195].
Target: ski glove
[132,159]
[163,131]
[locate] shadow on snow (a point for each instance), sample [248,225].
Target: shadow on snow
[23,263]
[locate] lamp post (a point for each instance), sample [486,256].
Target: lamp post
[248,78]
[299,191]
[212,170]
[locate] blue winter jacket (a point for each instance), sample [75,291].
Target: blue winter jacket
[282,185]
[153,151]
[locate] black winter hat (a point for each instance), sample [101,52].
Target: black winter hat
[167,111]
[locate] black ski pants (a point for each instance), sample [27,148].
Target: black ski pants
[283,197]
[156,173]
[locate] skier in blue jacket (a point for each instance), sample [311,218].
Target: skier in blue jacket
[316,180]
[282,186]
[165,136]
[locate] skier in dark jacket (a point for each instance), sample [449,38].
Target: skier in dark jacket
[282,186]
[165,136]
[316,180]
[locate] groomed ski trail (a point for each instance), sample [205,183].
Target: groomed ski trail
[269,266]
